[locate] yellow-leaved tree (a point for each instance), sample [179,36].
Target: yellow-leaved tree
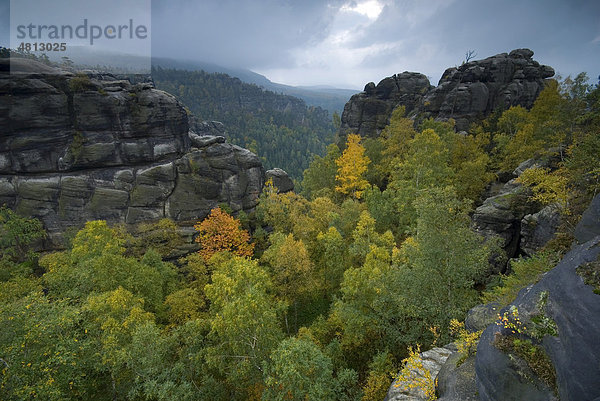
[352,165]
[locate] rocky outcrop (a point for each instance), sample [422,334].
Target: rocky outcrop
[539,228]
[507,213]
[477,88]
[481,316]
[368,112]
[589,225]
[500,217]
[569,312]
[281,180]
[456,379]
[406,390]
[89,146]
[465,93]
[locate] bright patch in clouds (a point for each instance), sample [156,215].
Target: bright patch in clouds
[368,40]
[371,9]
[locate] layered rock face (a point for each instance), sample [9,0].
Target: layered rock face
[368,112]
[81,147]
[464,93]
[507,213]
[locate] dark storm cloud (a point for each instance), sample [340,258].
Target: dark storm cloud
[255,34]
[337,42]
[564,34]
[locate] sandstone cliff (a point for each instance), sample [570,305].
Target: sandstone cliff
[368,112]
[464,93]
[78,147]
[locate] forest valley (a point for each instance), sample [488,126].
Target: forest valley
[318,295]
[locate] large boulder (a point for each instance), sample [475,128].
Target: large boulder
[79,147]
[569,311]
[481,316]
[281,180]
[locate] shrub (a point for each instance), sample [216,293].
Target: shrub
[465,342]
[525,271]
[80,83]
[414,375]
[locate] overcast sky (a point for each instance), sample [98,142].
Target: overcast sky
[349,43]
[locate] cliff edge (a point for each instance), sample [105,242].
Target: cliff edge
[79,147]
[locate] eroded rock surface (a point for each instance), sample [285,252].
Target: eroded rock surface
[539,228]
[477,88]
[465,93]
[82,147]
[508,213]
[572,310]
[281,180]
[433,360]
[456,379]
[368,112]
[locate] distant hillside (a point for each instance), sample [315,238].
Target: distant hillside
[328,98]
[281,129]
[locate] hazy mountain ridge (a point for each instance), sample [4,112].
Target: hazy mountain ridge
[329,98]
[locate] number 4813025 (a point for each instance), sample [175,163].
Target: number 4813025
[42,47]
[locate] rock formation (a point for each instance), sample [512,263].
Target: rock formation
[539,228]
[570,307]
[507,213]
[432,362]
[78,147]
[456,379]
[464,93]
[368,112]
[477,88]
[281,180]
[560,314]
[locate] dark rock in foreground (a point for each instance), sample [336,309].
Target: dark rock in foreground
[564,300]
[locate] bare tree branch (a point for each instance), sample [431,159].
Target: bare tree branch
[470,55]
